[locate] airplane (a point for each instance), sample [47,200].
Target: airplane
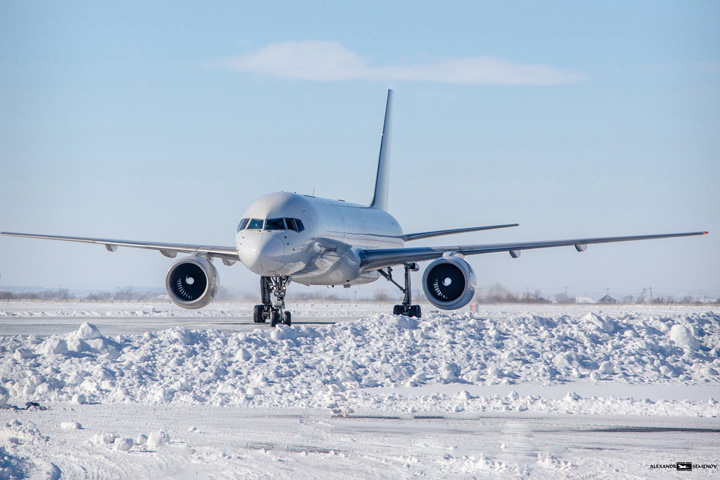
[289,237]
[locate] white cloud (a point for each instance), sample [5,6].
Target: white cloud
[330,62]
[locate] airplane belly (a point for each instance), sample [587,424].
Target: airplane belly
[331,279]
[334,277]
[333,263]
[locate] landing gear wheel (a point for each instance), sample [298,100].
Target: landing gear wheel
[274,318]
[407,310]
[286,318]
[404,309]
[258,316]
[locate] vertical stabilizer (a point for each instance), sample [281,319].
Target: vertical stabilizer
[381,181]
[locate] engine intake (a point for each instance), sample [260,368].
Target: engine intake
[449,283]
[192,282]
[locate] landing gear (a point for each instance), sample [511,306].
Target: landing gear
[272,310]
[406,308]
[276,317]
[258,314]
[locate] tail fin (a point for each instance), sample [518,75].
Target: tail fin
[381,181]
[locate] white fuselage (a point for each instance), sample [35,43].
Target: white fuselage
[322,248]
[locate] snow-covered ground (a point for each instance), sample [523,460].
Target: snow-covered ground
[141,391]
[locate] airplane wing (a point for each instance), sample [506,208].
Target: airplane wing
[228,255]
[418,236]
[374,259]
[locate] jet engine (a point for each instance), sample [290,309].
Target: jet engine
[192,282]
[449,283]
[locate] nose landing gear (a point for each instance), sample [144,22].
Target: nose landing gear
[272,310]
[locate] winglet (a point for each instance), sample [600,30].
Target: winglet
[380,197]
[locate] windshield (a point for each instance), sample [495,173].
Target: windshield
[255,224]
[295,224]
[275,224]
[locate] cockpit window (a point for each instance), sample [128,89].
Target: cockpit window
[294,224]
[275,224]
[255,224]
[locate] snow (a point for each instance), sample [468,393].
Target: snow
[683,337]
[384,396]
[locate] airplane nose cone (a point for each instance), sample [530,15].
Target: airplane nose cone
[263,254]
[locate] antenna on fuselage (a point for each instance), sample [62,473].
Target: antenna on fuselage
[380,197]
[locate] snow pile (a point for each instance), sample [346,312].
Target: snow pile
[329,366]
[462,404]
[16,437]
[155,440]
[684,338]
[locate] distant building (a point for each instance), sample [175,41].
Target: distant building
[607,299]
[585,300]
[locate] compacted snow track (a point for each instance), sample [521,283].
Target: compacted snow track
[582,392]
[229,442]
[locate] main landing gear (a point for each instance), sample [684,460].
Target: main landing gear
[406,308]
[272,310]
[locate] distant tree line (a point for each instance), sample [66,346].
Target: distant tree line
[64,294]
[498,294]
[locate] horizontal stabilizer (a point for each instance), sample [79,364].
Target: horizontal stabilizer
[439,233]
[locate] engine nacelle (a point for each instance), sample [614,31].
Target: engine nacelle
[449,283]
[192,282]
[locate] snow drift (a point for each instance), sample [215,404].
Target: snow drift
[335,366]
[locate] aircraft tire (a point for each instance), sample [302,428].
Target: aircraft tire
[258,314]
[287,318]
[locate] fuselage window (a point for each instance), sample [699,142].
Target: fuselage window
[255,224]
[275,224]
[243,224]
[300,226]
[291,224]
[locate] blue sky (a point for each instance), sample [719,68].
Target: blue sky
[164,120]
